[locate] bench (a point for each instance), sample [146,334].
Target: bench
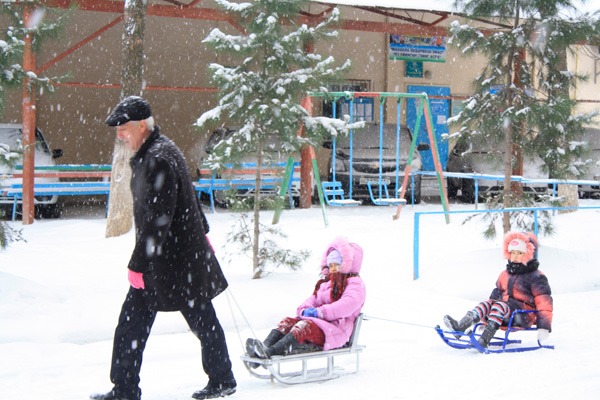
[334,195]
[57,189]
[74,180]
[383,198]
[243,178]
[305,375]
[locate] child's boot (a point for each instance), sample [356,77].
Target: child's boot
[253,344]
[488,333]
[466,322]
[284,346]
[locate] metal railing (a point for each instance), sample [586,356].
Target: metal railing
[417,219]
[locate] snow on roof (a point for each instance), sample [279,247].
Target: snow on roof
[434,5]
[438,5]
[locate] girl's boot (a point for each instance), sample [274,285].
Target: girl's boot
[253,344]
[470,319]
[488,333]
[283,347]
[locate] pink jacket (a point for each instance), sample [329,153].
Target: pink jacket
[339,316]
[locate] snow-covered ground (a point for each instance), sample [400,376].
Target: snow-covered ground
[61,292]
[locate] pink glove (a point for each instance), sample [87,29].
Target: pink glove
[136,279]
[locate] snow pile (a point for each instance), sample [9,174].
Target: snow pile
[61,293]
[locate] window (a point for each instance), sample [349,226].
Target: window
[363,106]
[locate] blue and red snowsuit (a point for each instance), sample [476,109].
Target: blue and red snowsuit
[520,287]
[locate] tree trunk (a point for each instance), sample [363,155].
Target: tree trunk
[508,151]
[120,206]
[513,63]
[568,192]
[256,269]
[570,197]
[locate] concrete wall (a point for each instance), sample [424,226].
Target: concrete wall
[73,117]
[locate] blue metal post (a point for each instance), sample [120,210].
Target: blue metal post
[476,193]
[381,102]
[351,146]
[399,100]
[416,246]
[333,146]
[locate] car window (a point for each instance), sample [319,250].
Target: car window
[369,137]
[13,137]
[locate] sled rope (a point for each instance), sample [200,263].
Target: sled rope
[229,298]
[367,317]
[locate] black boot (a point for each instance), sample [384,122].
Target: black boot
[283,347]
[488,334]
[115,395]
[466,322]
[252,344]
[214,390]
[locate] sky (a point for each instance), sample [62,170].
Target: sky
[61,293]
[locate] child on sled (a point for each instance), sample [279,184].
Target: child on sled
[522,286]
[326,318]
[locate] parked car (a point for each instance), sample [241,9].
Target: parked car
[477,158]
[365,151]
[247,167]
[10,139]
[592,137]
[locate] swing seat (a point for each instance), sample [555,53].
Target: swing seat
[382,201]
[334,195]
[468,340]
[294,376]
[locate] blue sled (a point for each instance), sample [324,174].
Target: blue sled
[468,340]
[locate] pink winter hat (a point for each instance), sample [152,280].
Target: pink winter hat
[526,242]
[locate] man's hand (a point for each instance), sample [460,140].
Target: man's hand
[136,279]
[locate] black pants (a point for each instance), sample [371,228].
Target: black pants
[131,335]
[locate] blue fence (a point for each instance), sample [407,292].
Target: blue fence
[417,219]
[513,178]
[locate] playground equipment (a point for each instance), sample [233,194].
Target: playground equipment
[377,180]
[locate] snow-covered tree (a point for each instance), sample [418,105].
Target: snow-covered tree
[262,93]
[521,102]
[44,24]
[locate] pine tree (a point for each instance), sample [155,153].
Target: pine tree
[262,94]
[46,24]
[521,102]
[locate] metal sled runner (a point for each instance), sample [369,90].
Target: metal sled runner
[306,375]
[468,340]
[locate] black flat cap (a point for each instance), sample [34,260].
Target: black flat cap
[133,108]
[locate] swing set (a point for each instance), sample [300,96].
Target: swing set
[333,193]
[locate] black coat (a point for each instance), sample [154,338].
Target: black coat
[178,264]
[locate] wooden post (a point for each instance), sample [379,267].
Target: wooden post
[306,165]
[28,125]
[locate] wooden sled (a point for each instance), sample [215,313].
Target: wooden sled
[468,340]
[305,374]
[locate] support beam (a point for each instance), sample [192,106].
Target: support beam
[80,44]
[28,124]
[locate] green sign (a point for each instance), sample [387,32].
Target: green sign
[414,69]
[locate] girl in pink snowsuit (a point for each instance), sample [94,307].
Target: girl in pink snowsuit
[326,318]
